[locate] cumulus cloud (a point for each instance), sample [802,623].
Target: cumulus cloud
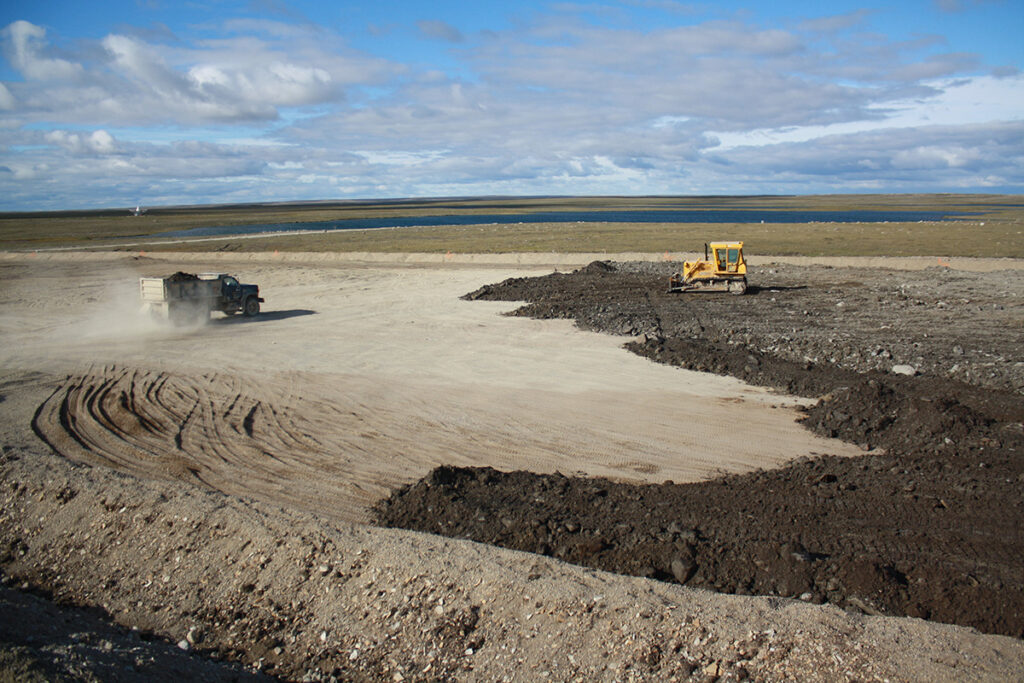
[219,85]
[25,48]
[556,104]
[126,80]
[97,142]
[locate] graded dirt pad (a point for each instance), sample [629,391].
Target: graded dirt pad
[356,380]
[244,450]
[929,527]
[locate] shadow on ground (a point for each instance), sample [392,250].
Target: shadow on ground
[264,317]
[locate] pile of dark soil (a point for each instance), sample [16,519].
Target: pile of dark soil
[933,526]
[948,324]
[182,276]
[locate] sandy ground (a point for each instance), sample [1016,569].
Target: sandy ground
[360,377]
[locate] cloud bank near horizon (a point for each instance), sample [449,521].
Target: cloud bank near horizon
[256,109]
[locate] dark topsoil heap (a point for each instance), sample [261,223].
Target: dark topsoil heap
[933,526]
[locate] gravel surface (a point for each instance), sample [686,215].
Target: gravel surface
[291,595]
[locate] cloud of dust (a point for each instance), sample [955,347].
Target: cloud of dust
[59,313]
[116,313]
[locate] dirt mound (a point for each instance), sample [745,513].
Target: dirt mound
[932,527]
[182,276]
[599,267]
[871,409]
[947,324]
[879,533]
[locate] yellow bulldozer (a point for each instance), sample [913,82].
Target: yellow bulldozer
[722,270]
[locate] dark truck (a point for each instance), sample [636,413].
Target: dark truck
[187,299]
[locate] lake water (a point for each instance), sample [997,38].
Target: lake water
[630,216]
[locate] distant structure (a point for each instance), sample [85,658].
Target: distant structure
[137,211]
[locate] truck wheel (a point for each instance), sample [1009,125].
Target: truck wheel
[251,306]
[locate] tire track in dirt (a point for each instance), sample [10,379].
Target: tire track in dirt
[247,440]
[336,444]
[390,376]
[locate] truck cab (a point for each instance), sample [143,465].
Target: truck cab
[234,296]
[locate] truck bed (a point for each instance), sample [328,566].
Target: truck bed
[159,289]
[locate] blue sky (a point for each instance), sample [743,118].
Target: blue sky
[158,102]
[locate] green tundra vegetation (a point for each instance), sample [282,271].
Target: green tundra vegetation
[995,227]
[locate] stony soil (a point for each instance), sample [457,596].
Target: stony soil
[927,523]
[46,642]
[179,576]
[257,571]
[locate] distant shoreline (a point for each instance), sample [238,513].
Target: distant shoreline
[524,259]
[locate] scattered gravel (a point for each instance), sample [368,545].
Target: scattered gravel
[246,582]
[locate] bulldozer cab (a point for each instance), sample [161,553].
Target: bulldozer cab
[728,256]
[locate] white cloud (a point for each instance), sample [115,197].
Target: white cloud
[127,80]
[836,22]
[98,142]
[400,158]
[728,74]
[899,159]
[138,62]
[102,142]
[975,100]
[24,45]
[935,157]
[217,88]
[271,110]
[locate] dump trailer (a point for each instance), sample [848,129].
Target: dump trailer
[187,298]
[722,270]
